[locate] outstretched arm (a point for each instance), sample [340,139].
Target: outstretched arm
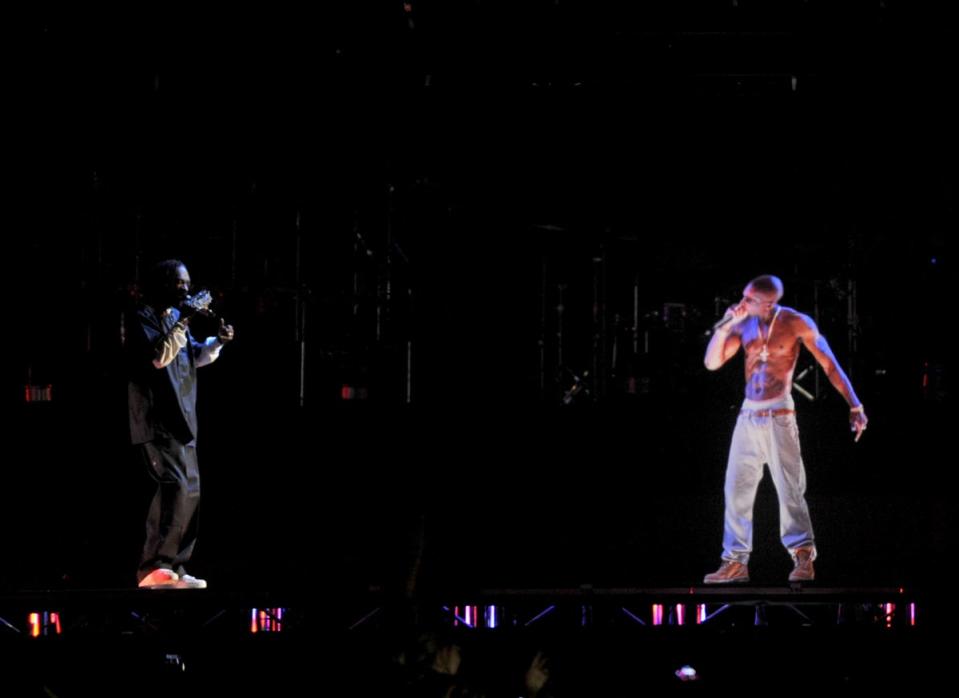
[820,349]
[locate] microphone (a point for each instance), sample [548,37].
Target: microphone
[719,325]
[198,304]
[722,323]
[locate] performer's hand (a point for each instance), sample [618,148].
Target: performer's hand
[858,422]
[736,313]
[225,333]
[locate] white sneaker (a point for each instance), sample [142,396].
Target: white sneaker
[190,582]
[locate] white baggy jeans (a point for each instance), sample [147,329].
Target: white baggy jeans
[772,440]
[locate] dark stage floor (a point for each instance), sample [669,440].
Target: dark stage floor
[616,642]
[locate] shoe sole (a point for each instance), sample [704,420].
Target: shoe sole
[739,580]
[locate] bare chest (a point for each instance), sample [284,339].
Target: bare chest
[775,344]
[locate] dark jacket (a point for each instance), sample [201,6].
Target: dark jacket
[159,399]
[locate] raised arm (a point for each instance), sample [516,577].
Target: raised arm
[722,347]
[726,340]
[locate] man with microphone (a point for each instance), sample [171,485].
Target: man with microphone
[766,433]
[162,359]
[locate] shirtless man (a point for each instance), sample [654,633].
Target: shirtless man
[766,431]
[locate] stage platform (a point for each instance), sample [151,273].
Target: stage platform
[77,612]
[203,642]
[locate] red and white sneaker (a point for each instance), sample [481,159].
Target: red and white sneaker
[168,579]
[160,578]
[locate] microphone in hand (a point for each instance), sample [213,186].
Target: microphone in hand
[733,316]
[200,303]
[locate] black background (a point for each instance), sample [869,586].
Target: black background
[481,155]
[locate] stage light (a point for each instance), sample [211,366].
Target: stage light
[657,614]
[266,620]
[44,623]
